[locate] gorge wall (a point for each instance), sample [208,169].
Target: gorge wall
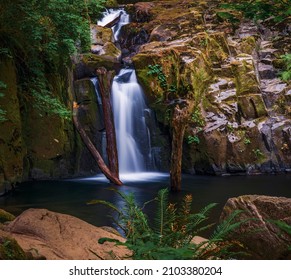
[227,75]
[184,54]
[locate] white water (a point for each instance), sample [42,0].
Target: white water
[110,15]
[132,134]
[130,111]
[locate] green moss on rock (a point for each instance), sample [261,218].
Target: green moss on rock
[6,216]
[10,250]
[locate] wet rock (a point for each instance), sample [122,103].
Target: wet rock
[263,238]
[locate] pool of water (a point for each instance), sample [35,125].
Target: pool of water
[71,196]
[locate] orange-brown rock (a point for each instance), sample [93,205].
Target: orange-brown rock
[59,236]
[263,238]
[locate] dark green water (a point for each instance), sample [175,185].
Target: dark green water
[71,196]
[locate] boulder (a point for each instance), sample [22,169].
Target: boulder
[59,236]
[262,237]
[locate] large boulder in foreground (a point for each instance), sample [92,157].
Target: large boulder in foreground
[59,236]
[263,238]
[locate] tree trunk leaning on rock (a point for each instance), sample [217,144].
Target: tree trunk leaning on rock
[113,22]
[101,164]
[179,122]
[105,78]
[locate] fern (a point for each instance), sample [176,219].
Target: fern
[173,230]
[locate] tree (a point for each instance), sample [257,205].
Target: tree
[179,123]
[41,36]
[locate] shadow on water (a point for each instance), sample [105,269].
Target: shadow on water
[71,196]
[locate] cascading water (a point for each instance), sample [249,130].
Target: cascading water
[129,108]
[110,15]
[130,115]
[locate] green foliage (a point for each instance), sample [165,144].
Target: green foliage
[10,250]
[258,153]
[279,10]
[173,230]
[193,139]
[197,118]
[41,36]
[247,141]
[227,16]
[157,71]
[282,226]
[286,74]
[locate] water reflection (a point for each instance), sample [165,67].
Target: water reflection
[71,196]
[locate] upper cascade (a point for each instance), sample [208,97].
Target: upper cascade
[110,15]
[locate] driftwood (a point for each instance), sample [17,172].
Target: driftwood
[113,22]
[105,78]
[179,122]
[103,167]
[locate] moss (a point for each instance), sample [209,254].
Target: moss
[94,61]
[10,250]
[11,144]
[111,4]
[248,45]
[5,216]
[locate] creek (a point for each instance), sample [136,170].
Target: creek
[71,196]
[136,166]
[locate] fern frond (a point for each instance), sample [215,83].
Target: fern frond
[281,225]
[109,204]
[227,226]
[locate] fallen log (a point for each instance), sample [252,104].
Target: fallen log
[96,155]
[113,22]
[105,78]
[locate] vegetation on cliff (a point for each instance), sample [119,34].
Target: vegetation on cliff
[41,37]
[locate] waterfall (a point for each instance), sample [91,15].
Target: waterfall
[132,133]
[132,117]
[110,15]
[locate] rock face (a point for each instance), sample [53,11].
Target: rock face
[57,236]
[240,119]
[263,239]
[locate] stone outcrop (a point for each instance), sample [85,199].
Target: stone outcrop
[55,236]
[11,143]
[258,233]
[240,119]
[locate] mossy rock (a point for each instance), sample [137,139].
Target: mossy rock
[248,45]
[93,61]
[252,106]
[11,138]
[111,4]
[101,35]
[10,250]
[6,216]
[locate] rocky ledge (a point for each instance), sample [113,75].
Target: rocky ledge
[184,53]
[43,234]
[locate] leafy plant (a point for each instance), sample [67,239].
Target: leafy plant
[41,36]
[196,117]
[278,10]
[193,139]
[247,141]
[282,226]
[258,153]
[286,74]
[157,71]
[174,228]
